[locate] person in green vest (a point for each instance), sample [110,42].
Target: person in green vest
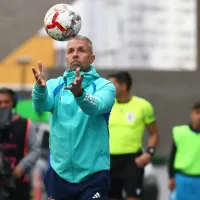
[184,162]
[129,117]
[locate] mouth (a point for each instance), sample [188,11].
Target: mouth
[75,62]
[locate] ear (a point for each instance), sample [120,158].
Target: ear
[92,59]
[124,86]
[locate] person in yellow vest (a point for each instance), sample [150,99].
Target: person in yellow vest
[184,162]
[129,117]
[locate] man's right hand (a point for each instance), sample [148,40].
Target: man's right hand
[39,76]
[171,184]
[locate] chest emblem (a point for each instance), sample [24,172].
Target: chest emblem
[130,117]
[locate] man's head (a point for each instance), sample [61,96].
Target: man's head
[195,114]
[8,98]
[122,81]
[79,53]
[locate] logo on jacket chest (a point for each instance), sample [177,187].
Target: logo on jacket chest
[130,117]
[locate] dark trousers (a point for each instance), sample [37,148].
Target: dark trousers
[94,187]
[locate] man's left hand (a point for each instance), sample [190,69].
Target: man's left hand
[76,88]
[143,160]
[18,172]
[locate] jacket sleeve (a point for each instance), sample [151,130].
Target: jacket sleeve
[171,170]
[43,98]
[33,149]
[99,103]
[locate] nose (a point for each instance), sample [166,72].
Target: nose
[75,54]
[3,105]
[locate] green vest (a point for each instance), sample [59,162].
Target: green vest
[187,158]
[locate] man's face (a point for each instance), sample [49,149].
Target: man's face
[195,116]
[79,54]
[5,101]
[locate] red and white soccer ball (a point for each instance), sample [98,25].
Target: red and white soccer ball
[62,22]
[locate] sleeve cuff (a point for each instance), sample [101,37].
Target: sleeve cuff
[38,89]
[81,98]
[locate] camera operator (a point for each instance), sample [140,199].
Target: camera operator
[19,142]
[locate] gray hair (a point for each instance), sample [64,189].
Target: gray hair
[80,37]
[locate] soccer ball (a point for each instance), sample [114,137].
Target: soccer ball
[62,22]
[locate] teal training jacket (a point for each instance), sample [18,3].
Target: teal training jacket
[79,136]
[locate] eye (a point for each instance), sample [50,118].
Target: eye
[69,51]
[82,50]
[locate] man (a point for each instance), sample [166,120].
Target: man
[19,146]
[129,117]
[184,165]
[80,102]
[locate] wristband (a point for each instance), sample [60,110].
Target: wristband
[151,150]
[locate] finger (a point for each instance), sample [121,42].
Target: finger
[40,66]
[77,72]
[81,78]
[74,84]
[34,71]
[139,162]
[35,74]
[37,77]
[68,88]
[141,165]
[39,81]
